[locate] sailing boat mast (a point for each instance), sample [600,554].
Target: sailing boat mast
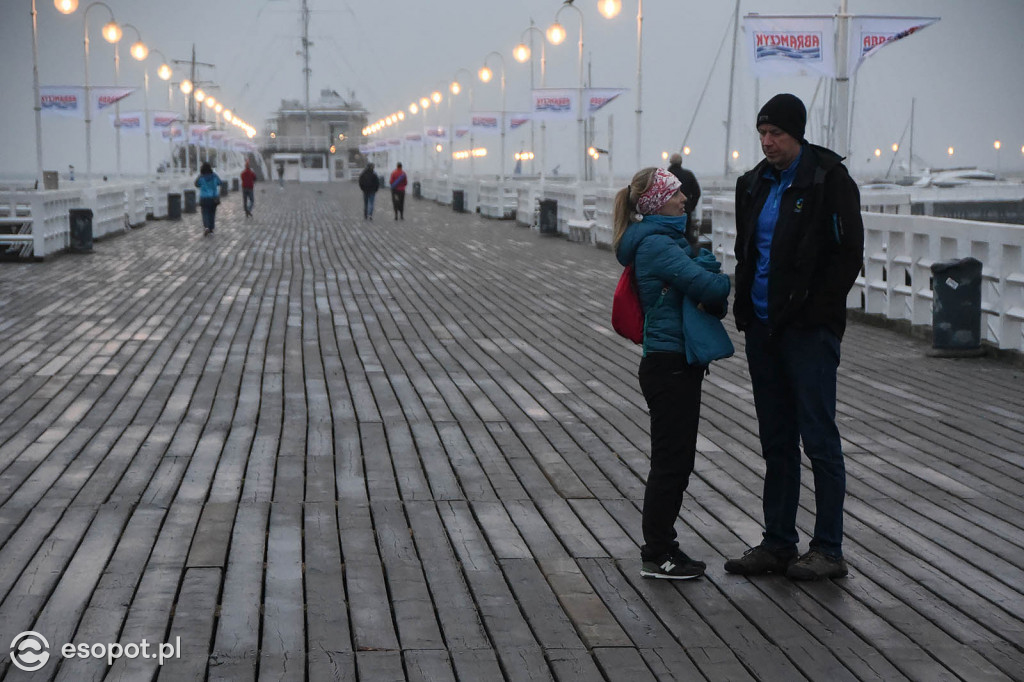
[305,56]
[732,75]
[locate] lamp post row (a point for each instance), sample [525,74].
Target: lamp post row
[112,33]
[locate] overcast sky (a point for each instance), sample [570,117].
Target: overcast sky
[964,71]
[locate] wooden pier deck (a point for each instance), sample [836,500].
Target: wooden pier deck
[315,447]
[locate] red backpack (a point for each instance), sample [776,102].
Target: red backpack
[627,313]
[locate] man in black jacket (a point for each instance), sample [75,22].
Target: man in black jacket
[799,249]
[691,188]
[369,183]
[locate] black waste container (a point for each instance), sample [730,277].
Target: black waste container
[459,200]
[417,190]
[223,189]
[174,206]
[956,304]
[80,224]
[234,184]
[548,219]
[190,201]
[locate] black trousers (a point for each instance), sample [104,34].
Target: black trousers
[398,201]
[672,389]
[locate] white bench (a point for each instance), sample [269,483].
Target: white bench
[581,231]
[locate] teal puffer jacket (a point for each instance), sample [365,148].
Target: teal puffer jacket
[666,271]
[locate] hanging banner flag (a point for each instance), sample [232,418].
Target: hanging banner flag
[513,121]
[217,139]
[394,142]
[163,119]
[485,122]
[460,131]
[103,97]
[62,100]
[196,132]
[437,132]
[414,138]
[555,104]
[790,45]
[129,122]
[174,133]
[599,97]
[869,34]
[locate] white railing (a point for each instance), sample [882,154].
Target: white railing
[135,203]
[899,251]
[45,214]
[528,196]
[604,203]
[497,199]
[108,208]
[470,188]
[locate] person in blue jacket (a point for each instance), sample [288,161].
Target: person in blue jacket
[209,196]
[650,232]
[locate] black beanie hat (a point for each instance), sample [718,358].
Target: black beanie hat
[787,112]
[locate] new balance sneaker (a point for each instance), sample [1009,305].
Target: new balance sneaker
[817,566]
[673,566]
[760,560]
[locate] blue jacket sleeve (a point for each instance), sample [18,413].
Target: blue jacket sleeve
[665,259]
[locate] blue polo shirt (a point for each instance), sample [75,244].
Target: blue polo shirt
[779,182]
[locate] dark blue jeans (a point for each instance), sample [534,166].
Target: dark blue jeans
[672,389]
[209,210]
[794,380]
[248,199]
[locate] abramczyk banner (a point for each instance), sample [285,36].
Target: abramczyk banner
[870,34]
[129,122]
[599,97]
[196,133]
[62,100]
[103,96]
[163,119]
[555,104]
[790,45]
[485,122]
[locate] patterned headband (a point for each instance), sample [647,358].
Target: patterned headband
[663,186]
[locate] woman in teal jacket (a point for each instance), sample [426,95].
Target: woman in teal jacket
[650,232]
[209,195]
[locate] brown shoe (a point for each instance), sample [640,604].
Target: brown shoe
[817,566]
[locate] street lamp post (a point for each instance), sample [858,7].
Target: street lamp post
[556,34]
[163,73]
[522,53]
[455,88]
[997,145]
[610,9]
[485,75]
[112,34]
[139,52]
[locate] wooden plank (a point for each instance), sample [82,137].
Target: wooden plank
[329,638]
[428,666]
[192,628]
[370,615]
[595,623]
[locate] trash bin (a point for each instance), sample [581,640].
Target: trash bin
[459,200]
[547,222]
[223,189]
[190,201]
[234,184]
[417,190]
[80,224]
[956,305]
[174,206]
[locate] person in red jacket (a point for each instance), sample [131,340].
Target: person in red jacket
[398,182]
[248,183]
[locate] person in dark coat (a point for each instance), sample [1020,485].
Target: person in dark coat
[369,183]
[691,188]
[799,249]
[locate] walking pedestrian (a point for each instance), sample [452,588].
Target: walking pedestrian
[369,183]
[649,222]
[209,196]
[398,182]
[248,179]
[799,248]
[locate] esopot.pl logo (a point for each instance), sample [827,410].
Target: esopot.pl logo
[29,651]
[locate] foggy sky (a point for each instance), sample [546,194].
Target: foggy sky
[963,71]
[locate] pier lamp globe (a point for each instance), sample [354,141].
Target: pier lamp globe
[735,154]
[521,53]
[878,152]
[424,103]
[485,74]
[609,8]
[164,72]
[414,108]
[456,88]
[556,33]
[200,95]
[435,97]
[686,151]
[895,147]
[401,115]
[65,6]
[112,32]
[218,107]
[664,156]
[186,87]
[950,151]
[139,51]
[997,145]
